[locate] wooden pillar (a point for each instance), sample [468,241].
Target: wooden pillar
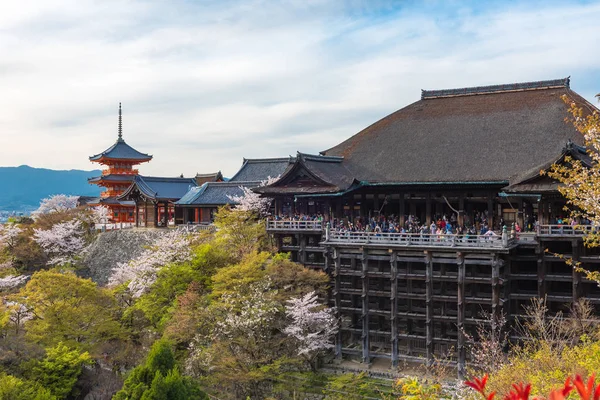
[376,204]
[490,208]
[363,205]
[337,262]
[541,271]
[460,315]
[155,214]
[577,292]
[137,215]
[429,308]
[197,215]
[428,209]
[401,211]
[394,307]
[461,210]
[521,214]
[366,357]
[302,252]
[351,208]
[495,292]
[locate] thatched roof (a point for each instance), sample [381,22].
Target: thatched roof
[489,134]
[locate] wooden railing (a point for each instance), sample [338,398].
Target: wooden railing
[567,230]
[120,171]
[417,239]
[294,225]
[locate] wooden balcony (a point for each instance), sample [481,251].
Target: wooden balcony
[293,226]
[420,240]
[567,230]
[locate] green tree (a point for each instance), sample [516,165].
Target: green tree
[59,370]
[13,388]
[158,378]
[69,309]
[239,232]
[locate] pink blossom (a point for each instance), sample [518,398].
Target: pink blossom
[63,243]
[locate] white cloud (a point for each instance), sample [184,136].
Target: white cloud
[204,84]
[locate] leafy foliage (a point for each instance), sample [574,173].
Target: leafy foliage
[158,378]
[69,309]
[59,370]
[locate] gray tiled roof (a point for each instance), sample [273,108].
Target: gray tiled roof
[121,151]
[214,193]
[256,170]
[160,188]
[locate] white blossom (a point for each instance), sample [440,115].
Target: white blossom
[141,272]
[100,214]
[17,313]
[311,325]
[63,242]
[56,203]
[9,234]
[247,314]
[251,201]
[11,281]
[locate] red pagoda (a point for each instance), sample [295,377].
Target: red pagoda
[120,159]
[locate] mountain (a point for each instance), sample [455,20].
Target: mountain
[22,188]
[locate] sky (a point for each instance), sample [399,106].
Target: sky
[205,83]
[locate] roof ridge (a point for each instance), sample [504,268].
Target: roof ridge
[268,159]
[320,157]
[503,88]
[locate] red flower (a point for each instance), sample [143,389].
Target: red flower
[587,392]
[561,394]
[521,392]
[479,386]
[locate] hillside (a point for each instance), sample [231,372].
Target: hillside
[23,187]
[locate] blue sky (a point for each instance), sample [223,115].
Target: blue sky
[206,83]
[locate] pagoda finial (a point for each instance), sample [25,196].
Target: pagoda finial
[120,123]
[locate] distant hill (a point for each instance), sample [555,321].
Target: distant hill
[22,188]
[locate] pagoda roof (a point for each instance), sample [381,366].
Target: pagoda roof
[108,201]
[121,151]
[260,169]
[112,178]
[214,193]
[159,188]
[487,134]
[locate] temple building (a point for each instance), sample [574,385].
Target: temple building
[154,198]
[437,215]
[120,158]
[200,203]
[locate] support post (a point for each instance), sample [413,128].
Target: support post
[429,307]
[460,315]
[401,210]
[576,274]
[394,308]
[495,292]
[337,262]
[541,271]
[428,209]
[366,357]
[490,211]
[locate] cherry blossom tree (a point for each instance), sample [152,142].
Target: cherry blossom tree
[12,281]
[9,233]
[56,203]
[100,214]
[141,272]
[312,326]
[17,314]
[63,243]
[251,201]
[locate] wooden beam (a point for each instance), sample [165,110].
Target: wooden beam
[337,261]
[394,308]
[460,315]
[429,308]
[366,357]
